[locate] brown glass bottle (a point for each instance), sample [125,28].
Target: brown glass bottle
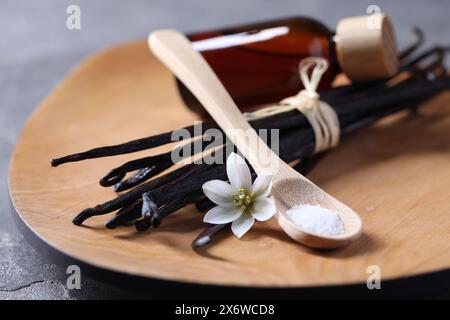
[258,63]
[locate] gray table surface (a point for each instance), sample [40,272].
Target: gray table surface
[37,51]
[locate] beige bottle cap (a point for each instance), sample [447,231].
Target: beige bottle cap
[366,47]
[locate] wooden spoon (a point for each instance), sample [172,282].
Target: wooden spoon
[290,188]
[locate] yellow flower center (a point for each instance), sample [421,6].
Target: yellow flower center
[243,199]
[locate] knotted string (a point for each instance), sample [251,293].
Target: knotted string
[321,116]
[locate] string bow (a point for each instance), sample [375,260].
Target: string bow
[321,116]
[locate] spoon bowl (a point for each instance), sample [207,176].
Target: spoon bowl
[289,191]
[290,188]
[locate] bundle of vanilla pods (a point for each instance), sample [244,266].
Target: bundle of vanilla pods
[146,201]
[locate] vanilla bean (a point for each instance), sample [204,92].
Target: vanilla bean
[420,39]
[155,218]
[157,164]
[401,93]
[153,165]
[189,183]
[129,197]
[150,214]
[203,204]
[414,65]
[127,147]
[149,207]
[142,225]
[140,176]
[206,236]
[126,215]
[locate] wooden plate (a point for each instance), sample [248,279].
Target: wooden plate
[395,174]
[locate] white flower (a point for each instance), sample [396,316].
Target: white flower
[239,201]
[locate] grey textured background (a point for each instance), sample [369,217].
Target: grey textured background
[36,51]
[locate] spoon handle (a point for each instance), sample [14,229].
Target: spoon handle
[176,52]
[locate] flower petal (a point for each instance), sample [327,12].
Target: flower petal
[262,185]
[264,209]
[242,225]
[238,172]
[218,192]
[220,215]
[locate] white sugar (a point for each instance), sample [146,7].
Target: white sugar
[316,219]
